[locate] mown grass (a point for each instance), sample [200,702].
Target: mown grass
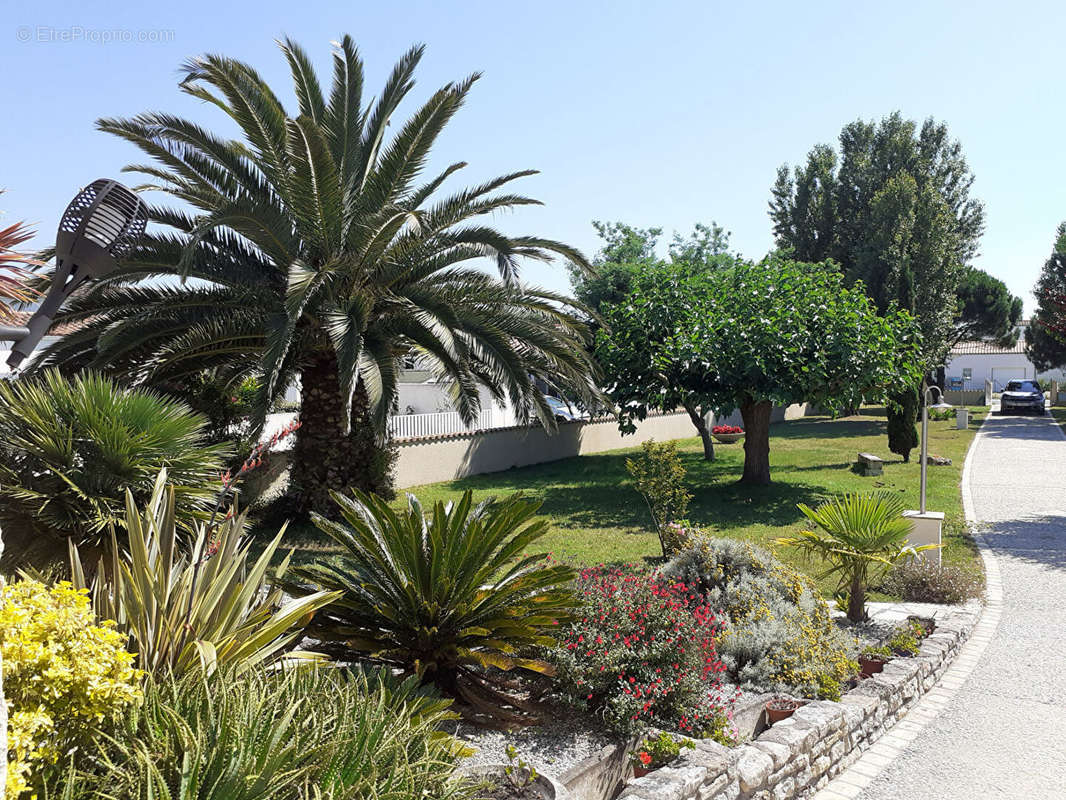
[596,516]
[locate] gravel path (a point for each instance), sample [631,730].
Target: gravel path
[1002,734]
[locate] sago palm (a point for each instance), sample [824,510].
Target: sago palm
[315,249]
[448,594]
[856,534]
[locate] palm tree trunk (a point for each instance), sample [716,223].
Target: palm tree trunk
[323,457]
[756,417]
[705,434]
[857,599]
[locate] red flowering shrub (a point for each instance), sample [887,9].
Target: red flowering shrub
[727,429]
[641,653]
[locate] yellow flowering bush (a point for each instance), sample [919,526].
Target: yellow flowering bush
[64,675]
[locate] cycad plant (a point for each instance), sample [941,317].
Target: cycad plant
[857,535]
[319,250]
[449,595]
[314,733]
[70,449]
[200,606]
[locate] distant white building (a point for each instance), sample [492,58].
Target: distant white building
[970,364]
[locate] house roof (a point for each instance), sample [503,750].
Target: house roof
[987,348]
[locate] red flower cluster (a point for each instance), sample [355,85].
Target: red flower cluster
[727,429]
[258,456]
[643,652]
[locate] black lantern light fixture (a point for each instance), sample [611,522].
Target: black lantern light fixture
[101,225]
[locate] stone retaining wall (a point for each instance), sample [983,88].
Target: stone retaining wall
[796,757]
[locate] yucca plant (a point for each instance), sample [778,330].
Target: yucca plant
[858,535]
[321,249]
[448,595]
[295,734]
[203,606]
[70,449]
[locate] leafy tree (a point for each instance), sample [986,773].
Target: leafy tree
[318,251]
[659,476]
[987,309]
[1045,338]
[894,210]
[751,336]
[626,249]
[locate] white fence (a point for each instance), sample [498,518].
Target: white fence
[420,426]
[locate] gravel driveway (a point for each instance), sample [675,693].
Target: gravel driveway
[1004,733]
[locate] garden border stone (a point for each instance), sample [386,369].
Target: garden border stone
[798,756]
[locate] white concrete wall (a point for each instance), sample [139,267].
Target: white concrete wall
[451,457]
[998,368]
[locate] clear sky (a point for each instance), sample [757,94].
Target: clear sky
[659,114]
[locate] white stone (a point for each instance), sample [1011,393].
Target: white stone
[753,768]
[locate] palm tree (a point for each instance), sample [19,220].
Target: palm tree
[312,249]
[856,535]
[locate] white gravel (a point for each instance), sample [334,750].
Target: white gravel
[561,741]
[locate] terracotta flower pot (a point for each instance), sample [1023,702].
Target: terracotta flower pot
[781,708]
[728,438]
[871,665]
[639,771]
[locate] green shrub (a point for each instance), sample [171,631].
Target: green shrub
[902,432]
[296,734]
[659,477]
[642,653]
[664,748]
[69,450]
[203,605]
[858,535]
[904,641]
[918,581]
[447,595]
[65,675]
[778,633]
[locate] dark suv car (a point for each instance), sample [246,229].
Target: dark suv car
[1021,396]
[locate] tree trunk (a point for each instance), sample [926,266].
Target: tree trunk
[323,457]
[756,416]
[857,600]
[705,434]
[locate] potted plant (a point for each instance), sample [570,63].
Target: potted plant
[654,753]
[779,708]
[516,780]
[905,639]
[727,434]
[927,624]
[873,659]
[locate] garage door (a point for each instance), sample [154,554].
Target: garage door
[1000,376]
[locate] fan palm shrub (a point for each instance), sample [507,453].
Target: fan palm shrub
[293,734]
[203,606]
[858,535]
[447,595]
[70,449]
[320,251]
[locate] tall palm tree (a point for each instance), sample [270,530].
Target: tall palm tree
[313,250]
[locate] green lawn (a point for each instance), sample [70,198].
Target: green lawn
[597,517]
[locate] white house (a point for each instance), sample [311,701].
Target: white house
[972,363]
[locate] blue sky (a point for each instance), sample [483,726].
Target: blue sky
[660,114]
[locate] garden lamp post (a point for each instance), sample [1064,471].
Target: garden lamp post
[101,225]
[940,406]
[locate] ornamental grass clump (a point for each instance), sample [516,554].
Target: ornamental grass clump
[777,632]
[642,653]
[309,733]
